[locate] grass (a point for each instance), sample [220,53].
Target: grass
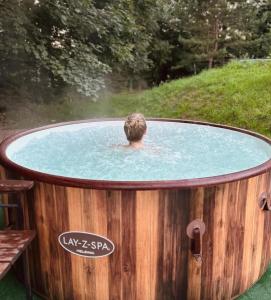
[261,290]
[237,94]
[12,289]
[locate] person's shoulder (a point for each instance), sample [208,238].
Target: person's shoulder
[120,146]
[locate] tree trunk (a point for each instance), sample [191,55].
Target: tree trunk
[210,62]
[214,51]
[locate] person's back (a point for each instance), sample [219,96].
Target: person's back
[135,128]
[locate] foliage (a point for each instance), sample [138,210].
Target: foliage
[73,42]
[237,94]
[81,43]
[201,34]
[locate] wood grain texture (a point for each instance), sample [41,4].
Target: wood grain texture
[4,268]
[152,258]
[14,186]
[13,243]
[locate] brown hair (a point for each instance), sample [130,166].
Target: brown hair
[135,126]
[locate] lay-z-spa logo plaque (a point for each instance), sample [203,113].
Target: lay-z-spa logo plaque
[86,244]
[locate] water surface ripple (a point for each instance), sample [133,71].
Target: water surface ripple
[172,151]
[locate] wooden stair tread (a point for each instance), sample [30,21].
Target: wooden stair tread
[12,245]
[12,186]
[4,268]
[9,255]
[16,238]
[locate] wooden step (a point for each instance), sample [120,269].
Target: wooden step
[12,245]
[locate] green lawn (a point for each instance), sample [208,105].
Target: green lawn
[261,290]
[237,94]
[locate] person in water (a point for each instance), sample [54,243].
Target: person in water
[135,128]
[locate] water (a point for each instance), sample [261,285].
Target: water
[172,151]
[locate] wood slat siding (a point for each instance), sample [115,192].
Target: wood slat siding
[152,258]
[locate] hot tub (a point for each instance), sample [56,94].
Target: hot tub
[187,217]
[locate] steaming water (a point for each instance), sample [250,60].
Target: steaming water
[172,151]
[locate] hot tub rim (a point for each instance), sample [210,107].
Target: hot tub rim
[131,185]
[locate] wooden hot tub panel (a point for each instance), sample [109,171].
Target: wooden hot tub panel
[152,257]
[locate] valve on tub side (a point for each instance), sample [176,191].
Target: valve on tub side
[195,231]
[265,201]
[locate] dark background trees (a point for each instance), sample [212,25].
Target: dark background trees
[46,46]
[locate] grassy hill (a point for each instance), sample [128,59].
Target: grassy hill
[237,94]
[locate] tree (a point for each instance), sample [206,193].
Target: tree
[213,31]
[52,43]
[73,42]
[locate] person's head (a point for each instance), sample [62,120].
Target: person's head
[135,127]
